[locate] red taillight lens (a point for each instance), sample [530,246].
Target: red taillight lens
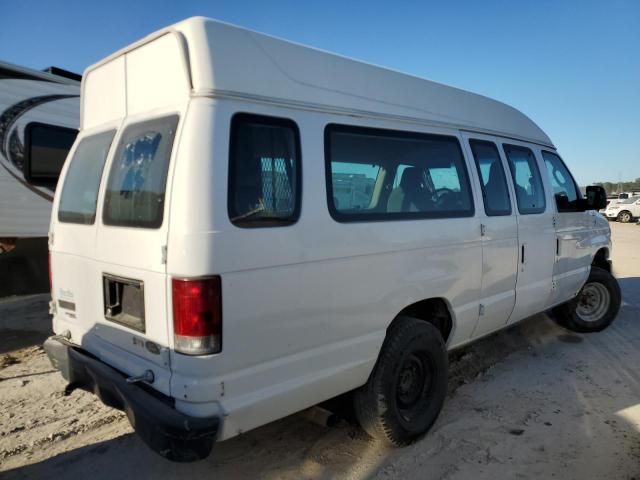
[197,315]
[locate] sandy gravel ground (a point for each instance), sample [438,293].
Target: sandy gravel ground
[535,401]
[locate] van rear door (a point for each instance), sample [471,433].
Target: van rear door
[131,240]
[115,268]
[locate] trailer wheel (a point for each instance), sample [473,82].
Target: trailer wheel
[595,307]
[406,390]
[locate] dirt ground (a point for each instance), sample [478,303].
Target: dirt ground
[535,401]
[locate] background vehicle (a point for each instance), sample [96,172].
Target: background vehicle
[624,210]
[44,106]
[229,248]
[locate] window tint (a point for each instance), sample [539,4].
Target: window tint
[564,188]
[375,174]
[526,179]
[80,190]
[495,192]
[264,171]
[138,177]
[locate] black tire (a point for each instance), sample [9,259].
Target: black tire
[625,216]
[385,406]
[572,316]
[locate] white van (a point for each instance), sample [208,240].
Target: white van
[248,227]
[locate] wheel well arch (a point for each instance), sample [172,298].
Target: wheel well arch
[601,259]
[436,311]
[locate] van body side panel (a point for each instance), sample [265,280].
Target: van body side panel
[573,256]
[283,348]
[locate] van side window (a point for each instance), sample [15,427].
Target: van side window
[80,190]
[264,171]
[138,177]
[526,179]
[495,192]
[375,174]
[565,190]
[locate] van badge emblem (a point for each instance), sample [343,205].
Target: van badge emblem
[152,347]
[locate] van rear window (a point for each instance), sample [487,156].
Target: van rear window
[80,191]
[138,177]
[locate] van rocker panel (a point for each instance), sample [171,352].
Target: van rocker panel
[171,434]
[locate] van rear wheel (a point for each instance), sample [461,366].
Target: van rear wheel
[406,390]
[595,307]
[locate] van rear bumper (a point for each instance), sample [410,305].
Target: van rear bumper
[173,435]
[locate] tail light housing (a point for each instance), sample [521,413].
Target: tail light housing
[197,315]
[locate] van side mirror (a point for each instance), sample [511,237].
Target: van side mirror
[596,198]
[46,148]
[562,201]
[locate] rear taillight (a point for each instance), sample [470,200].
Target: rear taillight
[197,315]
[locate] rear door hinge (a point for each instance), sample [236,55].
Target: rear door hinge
[163,251]
[555,221]
[51,237]
[481,310]
[483,229]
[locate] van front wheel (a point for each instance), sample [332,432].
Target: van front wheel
[595,307]
[408,385]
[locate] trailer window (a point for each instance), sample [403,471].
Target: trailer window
[138,177]
[46,149]
[526,179]
[80,190]
[264,171]
[375,174]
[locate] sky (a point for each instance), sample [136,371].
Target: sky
[571,66]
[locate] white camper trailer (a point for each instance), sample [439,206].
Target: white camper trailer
[247,227]
[39,116]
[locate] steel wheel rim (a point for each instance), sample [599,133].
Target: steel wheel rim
[593,302]
[413,384]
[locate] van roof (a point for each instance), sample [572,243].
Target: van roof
[227,61]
